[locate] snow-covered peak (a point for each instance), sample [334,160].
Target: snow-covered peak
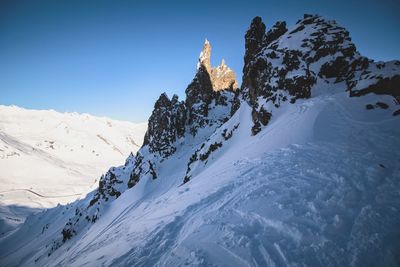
[285,65]
[47,157]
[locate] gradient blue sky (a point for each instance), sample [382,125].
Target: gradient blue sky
[114,58]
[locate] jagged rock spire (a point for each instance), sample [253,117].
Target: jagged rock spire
[206,87]
[254,38]
[254,42]
[221,77]
[205,55]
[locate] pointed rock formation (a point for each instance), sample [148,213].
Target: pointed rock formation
[222,78]
[205,57]
[199,95]
[208,84]
[166,124]
[254,41]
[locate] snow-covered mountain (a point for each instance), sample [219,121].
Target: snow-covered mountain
[297,167]
[48,157]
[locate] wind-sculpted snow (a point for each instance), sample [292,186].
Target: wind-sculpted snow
[281,209]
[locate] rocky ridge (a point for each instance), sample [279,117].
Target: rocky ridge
[208,105]
[281,66]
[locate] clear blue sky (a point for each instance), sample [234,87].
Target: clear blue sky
[114,58]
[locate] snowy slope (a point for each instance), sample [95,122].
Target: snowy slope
[292,170]
[48,157]
[297,194]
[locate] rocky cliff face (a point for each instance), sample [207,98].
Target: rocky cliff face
[210,84]
[208,104]
[282,65]
[221,77]
[166,125]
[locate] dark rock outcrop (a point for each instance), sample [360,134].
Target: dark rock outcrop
[166,124]
[254,42]
[283,65]
[275,32]
[107,187]
[199,95]
[210,86]
[137,171]
[384,86]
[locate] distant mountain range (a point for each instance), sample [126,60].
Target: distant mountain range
[48,157]
[299,166]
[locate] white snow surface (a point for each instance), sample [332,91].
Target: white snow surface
[47,157]
[319,186]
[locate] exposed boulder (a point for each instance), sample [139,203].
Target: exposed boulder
[260,118]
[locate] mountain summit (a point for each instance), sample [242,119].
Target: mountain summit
[205,57]
[312,58]
[222,77]
[298,166]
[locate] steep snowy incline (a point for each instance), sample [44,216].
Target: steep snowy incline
[325,192]
[48,157]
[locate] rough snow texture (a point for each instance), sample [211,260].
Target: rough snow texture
[316,183]
[48,157]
